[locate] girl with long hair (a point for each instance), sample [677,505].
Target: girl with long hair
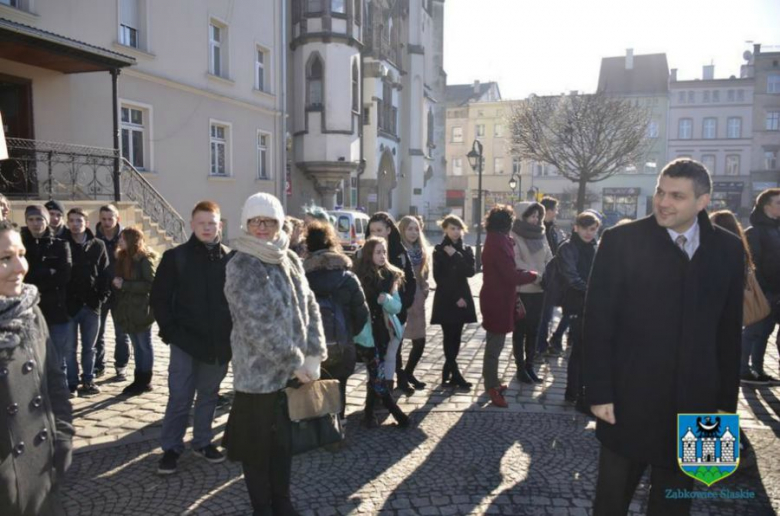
[417,247]
[381,282]
[135,270]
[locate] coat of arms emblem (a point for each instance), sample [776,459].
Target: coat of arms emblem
[708,446]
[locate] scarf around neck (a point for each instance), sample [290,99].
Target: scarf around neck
[16,317]
[532,234]
[266,251]
[415,254]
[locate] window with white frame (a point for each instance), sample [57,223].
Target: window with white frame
[263,156]
[313,6]
[314,75]
[517,164]
[11,3]
[480,130]
[539,169]
[685,129]
[457,135]
[498,165]
[730,95]
[220,134]
[773,83]
[709,128]
[773,121]
[734,127]
[260,60]
[217,49]
[708,160]
[133,135]
[691,97]
[732,164]
[652,129]
[681,97]
[130,23]
[770,159]
[355,87]
[716,95]
[740,95]
[358,11]
[705,96]
[498,131]
[338,6]
[457,167]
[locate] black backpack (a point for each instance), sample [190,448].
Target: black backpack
[338,337]
[552,284]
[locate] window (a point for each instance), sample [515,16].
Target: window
[366,115]
[133,136]
[708,160]
[732,165]
[539,169]
[773,83]
[709,129]
[129,23]
[684,129]
[498,165]
[730,95]
[358,11]
[217,43]
[734,127]
[773,121]
[219,149]
[480,130]
[498,131]
[338,6]
[740,95]
[263,165]
[705,96]
[770,160]
[516,165]
[457,135]
[12,3]
[691,97]
[430,128]
[457,167]
[652,129]
[313,6]
[681,97]
[260,69]
[314,76]
[716,96]
[355,87]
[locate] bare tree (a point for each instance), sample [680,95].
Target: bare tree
[588,138]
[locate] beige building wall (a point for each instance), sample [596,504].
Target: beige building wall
[765,67]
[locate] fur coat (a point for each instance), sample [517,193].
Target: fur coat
[276,322]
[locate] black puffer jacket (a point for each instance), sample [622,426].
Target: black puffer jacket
[553,235]
[764,241]
[575,259]
[50,267]
[111,244]
[188,300]
[89,281]
[452,274]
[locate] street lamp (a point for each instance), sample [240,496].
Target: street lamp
[514,185]
[533,193]
[475,160]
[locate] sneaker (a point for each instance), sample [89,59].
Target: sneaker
[167,465]
[752,378]
[121,374]
[768,378]
[100,372]
[89,389]
[210,453]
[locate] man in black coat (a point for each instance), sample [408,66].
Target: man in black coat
[764,240]
[662,325]
[50,265]
[57,222]
[88,289]
[189,304]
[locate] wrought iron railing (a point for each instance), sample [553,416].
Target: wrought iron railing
[51,170]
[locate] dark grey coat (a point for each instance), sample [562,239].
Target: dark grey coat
[35,421]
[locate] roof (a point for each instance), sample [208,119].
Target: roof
[461,94]
[37,47]
[649,75]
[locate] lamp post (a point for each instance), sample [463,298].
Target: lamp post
[475,160]
[533,193]
[514,185]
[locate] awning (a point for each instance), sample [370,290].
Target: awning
[36,47]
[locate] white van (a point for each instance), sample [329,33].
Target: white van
[351,228]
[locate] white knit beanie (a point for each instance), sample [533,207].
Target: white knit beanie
[521,207]
[262,205]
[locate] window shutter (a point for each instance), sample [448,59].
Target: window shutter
[129,13]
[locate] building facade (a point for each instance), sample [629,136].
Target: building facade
[201,110]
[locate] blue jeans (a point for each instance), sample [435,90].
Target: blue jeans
[544,330]
[754,340]
[122,342]
[59,334]
[142,351]
[186,376]
[87,323]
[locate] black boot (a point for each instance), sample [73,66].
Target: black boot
[403,383]
[458,380]
[418,346]
[398,414]
[445,374]
[141,383]
[523,376]
[414,382]
[369,420]
[532,375]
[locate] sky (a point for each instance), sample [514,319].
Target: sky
[556,46]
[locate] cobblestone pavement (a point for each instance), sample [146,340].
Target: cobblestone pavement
[462,457]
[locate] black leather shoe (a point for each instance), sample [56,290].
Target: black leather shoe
[524,377]
[414,382]
[532,375]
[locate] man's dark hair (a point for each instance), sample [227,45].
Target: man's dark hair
[766,197]
[586,220]
[109,208]
[690,169]
[78,210]
[549,203]
[321,235]
[500,218]
[7,225]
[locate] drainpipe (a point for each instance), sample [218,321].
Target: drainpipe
[362,163]
[283,96]
[115,99]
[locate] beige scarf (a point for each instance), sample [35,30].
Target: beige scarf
[266,251]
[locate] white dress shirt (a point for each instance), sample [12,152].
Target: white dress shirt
[691,236]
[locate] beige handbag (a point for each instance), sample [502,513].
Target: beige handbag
[755,306]
[313,400]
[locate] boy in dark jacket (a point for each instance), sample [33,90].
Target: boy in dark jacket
[88,289]
[50,265]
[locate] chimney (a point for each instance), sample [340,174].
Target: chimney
[476,87]
[673,74]
[756,49]
[708,72]
[629,59]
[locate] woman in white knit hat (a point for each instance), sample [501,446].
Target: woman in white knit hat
[277,335]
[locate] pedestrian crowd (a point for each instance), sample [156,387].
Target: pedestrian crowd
[654,310]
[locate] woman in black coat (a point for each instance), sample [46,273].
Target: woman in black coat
[328,272]
[453,304]
[36,429]
[382,224]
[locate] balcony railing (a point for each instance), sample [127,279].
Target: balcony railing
[52,170]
